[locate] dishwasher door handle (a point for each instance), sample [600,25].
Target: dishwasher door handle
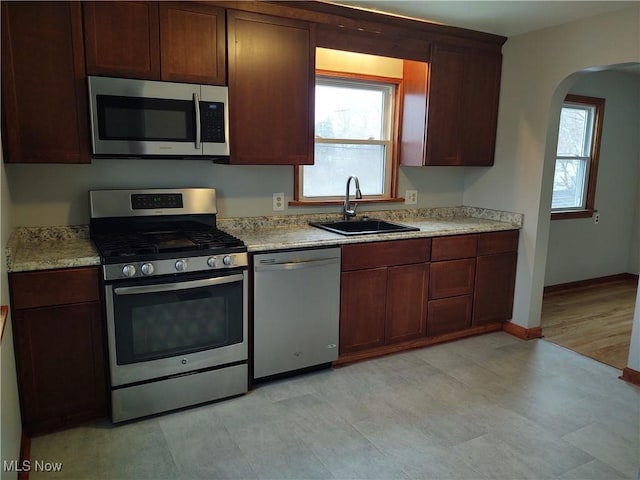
[296,265]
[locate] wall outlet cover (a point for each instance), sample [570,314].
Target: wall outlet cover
[411,197]
[278,202]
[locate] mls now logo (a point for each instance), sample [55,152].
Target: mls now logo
[28,466]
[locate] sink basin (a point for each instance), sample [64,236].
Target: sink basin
[363,227]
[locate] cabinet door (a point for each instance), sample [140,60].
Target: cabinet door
[122,39]
[406,302]
[271,85]
[44,95]
[464,88]
[362,309]
[495,283]
[192,43]
[445,114]
[449,315]
[480,118]
[61,368]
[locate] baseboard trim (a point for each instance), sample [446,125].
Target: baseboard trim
[591,282]
[352,357]
[630,375]
[25,456]
[522,332]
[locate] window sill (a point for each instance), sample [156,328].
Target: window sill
[315,203]
[569,214]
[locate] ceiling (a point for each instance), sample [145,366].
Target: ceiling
[504,17]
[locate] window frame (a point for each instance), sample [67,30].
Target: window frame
[392,169]
[591,175]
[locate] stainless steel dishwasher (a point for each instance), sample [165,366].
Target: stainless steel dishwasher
[296,310]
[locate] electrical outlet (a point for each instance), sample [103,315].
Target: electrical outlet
[278,202]
[596,218]
[411,197]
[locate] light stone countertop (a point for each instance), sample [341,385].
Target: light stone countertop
[44,248]
[305,236]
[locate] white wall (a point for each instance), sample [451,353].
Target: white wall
[11,430]
[538,70]
[57,194]
[578,248]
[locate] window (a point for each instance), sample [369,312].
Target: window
[576,169]
[354,129]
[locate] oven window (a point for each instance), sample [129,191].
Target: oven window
[162,324]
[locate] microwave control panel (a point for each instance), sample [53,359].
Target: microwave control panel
[212,115]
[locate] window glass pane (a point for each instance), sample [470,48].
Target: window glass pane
[349,112]
[574,136]
[568,184]
[334,163]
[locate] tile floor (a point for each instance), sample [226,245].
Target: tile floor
[488,407]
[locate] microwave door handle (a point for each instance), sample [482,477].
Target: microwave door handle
[196,104]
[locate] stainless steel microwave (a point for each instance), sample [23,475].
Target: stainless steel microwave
[143,118]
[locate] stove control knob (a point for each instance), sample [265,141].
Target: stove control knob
[227,260]
[128,270]
[147,268]
[181,265]
[211,261]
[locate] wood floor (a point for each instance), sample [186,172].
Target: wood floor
[593,320]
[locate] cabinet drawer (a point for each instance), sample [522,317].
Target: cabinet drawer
[451,248]
[54,287]
[498,242]
[451,278]
[449,315]
[385,254]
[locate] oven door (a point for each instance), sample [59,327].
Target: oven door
[158,328]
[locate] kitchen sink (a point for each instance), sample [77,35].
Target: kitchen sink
[363,227]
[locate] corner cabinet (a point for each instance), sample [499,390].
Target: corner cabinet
[172,41]
[44,94]
[271,68]
[452,103]
[59,345]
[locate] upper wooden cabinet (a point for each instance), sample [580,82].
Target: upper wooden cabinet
[271,85]
[44,96]
[173,41]
[451,107]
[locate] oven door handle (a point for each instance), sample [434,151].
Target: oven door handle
[170,287]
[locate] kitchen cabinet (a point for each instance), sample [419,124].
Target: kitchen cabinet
[452,281]
[383,292]
[44,95]
[58,337]
[172,41]
[451,107]
[271,68]
[495,277]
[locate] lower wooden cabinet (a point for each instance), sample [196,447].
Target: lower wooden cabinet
[383,292]
[59,345]
[495,277]
[412,293]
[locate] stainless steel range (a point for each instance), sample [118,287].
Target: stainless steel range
[176,299]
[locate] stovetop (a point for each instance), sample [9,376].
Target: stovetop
[141,233]
[123,246]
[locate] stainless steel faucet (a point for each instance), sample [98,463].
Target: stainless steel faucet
[347,211]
